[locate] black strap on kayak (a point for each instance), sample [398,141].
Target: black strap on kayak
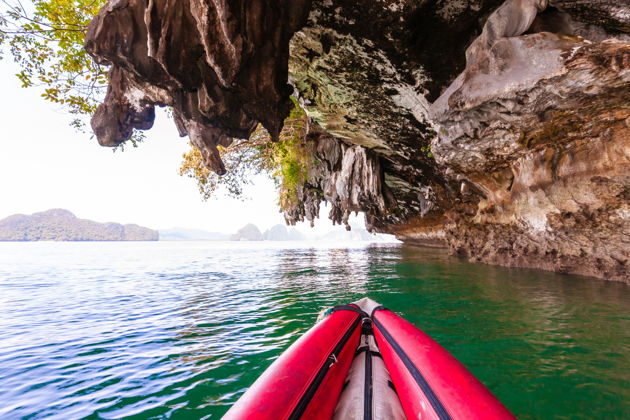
[437,405]
[349,308]
[378,308]
[368,388]
[372,352]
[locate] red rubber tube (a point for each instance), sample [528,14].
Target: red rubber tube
[283,386]
[430,382]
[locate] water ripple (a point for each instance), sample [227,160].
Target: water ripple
[161,330]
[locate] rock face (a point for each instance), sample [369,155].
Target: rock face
[62,225]
[497,128]
[346,176]
[549,150]
[221,66]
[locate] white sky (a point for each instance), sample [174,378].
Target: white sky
[45,163]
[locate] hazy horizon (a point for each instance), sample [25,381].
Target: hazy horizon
[325,225]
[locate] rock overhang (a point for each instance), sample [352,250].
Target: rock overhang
[428,116]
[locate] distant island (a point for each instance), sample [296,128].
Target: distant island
[185,234]
[282,233]
[277,233]
[62,225]
[250,232]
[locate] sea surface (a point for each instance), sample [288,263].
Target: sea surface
[180,329]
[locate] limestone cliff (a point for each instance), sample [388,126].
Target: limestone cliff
[500,129]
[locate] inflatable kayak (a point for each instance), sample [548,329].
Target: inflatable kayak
[362,361]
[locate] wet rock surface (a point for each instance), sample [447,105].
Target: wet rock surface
[500,129]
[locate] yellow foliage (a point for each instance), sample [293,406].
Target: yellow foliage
[287,162]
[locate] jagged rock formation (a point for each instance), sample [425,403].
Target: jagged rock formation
[62,225]
[346,176]
[221,66]
[498,128]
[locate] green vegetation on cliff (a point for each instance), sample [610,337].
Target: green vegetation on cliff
[287,162]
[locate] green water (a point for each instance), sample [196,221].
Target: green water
[180,330]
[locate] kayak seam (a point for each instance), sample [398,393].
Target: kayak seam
[437,405]
[302,404]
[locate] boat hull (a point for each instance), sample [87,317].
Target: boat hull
[307,381]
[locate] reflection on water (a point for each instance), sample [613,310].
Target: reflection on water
[150,330]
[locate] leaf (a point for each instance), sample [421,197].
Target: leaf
[47,44]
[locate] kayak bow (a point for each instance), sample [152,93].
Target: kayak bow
[364,362]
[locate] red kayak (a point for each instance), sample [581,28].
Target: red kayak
[364,362]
